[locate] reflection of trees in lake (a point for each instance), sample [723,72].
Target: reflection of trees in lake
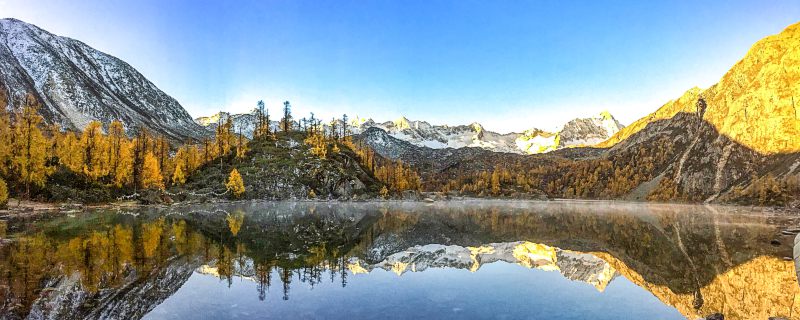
[674,253]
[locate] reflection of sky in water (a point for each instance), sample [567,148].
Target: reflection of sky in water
[498,290]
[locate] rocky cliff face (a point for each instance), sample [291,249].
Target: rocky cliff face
[77,84]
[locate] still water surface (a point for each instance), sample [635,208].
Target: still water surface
[459,260]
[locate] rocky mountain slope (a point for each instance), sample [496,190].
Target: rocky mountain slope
[77,84]
[756,103]
[735,135]
[578,132]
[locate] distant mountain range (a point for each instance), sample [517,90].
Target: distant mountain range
[576,133]
[77,84]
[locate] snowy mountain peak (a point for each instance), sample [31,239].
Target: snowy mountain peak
[578,132]
[402,123]
[77,84]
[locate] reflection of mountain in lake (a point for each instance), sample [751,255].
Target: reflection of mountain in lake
[700,260]
[573,265]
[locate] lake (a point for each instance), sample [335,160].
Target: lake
[401,260]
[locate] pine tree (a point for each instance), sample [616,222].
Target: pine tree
[286,121]
[151,173]
[345,130]
[262,121]
[235,183]
[29,146]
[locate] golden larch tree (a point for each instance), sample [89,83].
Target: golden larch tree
[3,193]
[92,146]
[151,173]
[235,183]
[29,146]
[6,134]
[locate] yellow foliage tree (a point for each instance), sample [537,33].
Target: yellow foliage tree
[3,194]
[115,142]
[319,146]
[123,173]
[235,183]
[495,182]
[384,192]
[241,147]
[151,173]
[92,146]
[6,135]
[178,177]
[68,151]
[29,146]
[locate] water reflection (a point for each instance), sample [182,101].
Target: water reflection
[699,260]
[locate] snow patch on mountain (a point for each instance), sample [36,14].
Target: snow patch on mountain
[578,132]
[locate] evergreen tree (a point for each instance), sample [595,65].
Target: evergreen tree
[262,121]
[286,121]
[345,130]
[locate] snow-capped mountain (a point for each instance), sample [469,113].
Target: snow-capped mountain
[77,84]
[578,132]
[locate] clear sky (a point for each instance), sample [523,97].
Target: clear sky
[510,65]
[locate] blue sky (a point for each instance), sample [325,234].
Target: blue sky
[510,65]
